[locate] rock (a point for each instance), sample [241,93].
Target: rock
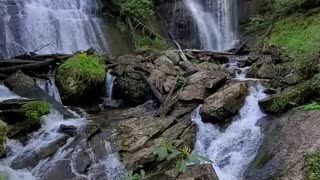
[288,98]
[169,83]
[129,59]
[168,69]
[133,92]
[31,158]
[80,79]
[289,138]
[163,60]
[208,66]
[3,137]
[200,172]
[193,92]
[224,103]
[118,70]
[270,91]
[173,56]
[68,130]
[157,78]
[210,80]
[25,86]
[291,79]
[263,71]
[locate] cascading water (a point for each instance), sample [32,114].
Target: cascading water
[50,26]
[109,82]
[50,87]
[216,22]
[108,167]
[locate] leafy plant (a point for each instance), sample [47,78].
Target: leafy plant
[181,157]
[135,176]
[135,8]
[34,110]
[312,107]
[312,161]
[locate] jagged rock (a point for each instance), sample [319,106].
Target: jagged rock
[133,92]
[69,130]
[286,142]
[129,59]
[157,78]
[168,69]
[224,103]
[291,79]
[169,83]
[200,172]
[163,60]
[25,86]
[210,80]
[173,56]
[264,71]
[3,137]
[118,70]
[207,66]
[193,92]
[31,158]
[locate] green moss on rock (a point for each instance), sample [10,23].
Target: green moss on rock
[312,162]
[3,136]
[298,35]
[36,109]
[80,73]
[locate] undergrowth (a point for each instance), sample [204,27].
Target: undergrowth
[312,162]
[34,110]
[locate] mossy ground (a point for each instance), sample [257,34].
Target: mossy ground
[79,73]
[34,110]
[298,35]
[312,162]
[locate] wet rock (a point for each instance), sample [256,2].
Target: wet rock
[210,80]
[133,92]
[195,92]
[200,172]
[68,130]
[3,137]
[32,157]
[282,153]
[224,103]
[25,86]
[173,56]
[264,71]
[118,70]
[62,169]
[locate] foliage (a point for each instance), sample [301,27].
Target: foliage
[312,161]
[36,109]
[257,24]
[135,8]
[135,176]
[285,7]
[181,157]
[147,42]
[79,72]
[312,107]
[299,36]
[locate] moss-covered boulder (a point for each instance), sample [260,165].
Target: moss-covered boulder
[81,78]
[34,110]
[3,136]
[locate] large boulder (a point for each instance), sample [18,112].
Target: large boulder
[81,79]
[25,86]
[195,92]
[200,172]
[209,79]
[224,103]
[132,91]
[287,141]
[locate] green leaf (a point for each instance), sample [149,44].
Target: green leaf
[142,173]
[174,154]
[161,152]
[205,159]
[192,158]
[183,166]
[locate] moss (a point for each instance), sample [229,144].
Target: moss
[312,107]
[3,135]
[298,35]
[312,161]
[79,73]
[36,109]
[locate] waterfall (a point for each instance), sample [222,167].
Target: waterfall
[50,26]
[108,167]
[109,82]
[50,87]
[216,22]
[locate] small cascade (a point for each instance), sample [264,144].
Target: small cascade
[108,167]
[233,148]
[50,26]
[50,87]
[216,21]
[109,82]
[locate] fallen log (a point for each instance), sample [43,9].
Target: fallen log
[153,89]
[210,53]
[16,61]
[32,66]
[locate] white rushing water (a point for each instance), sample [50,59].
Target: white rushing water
[109,166]
[216,22]
[50,26]
[232,149]
[109,82]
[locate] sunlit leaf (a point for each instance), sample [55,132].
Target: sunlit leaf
[192,158]
[183,166]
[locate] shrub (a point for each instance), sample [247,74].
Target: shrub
[312,161]
[36,109]
[135,8]
[147,42]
